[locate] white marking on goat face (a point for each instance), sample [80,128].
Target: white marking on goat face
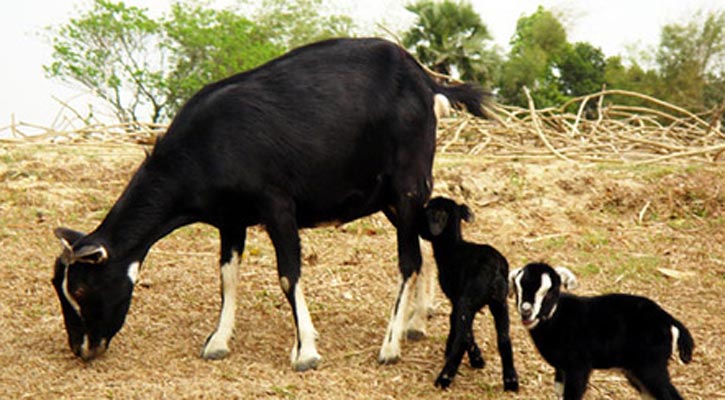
[73,303]
[133,271]
[538,300]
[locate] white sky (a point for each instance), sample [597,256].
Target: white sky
[25,93]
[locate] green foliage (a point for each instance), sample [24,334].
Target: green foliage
[206,45]
[294,23]
[112,50]
[582,69]
[690,58]
[145,69]
[538,46]
[449,35]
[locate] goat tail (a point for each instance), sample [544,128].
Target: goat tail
[470,95]
[685,343]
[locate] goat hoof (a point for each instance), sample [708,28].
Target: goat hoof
[443,381]
[478,362]
[388,360]
[511,384]
[306,365]
[415,335]
[214,354]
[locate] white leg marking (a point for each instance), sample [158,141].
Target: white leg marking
[390,351]
[675,337]
[422,306]
[217,346]
[307,357]
[559,390]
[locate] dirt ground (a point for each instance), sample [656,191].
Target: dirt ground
[655,230]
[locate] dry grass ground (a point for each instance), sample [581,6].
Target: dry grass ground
[620,228]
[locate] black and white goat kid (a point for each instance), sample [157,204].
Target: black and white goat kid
[577,334]
[327,133]
[471,276]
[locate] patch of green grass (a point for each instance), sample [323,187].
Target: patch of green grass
[594,239]
[639,266]
[286,392]
[589,269]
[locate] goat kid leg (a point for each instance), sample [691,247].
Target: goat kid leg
[474,354]
[461,327]
[575,383]
[217,344]
[656,384]
[559,384]
[499,310]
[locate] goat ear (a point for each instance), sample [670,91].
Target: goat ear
[568,279]
[466,213]
[437,221]
[512,277]
[67,236]
[91,254]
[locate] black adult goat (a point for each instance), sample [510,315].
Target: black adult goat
[577,334]
[329,132]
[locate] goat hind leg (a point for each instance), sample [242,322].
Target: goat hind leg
[409,261]
[422,307]
[499,311]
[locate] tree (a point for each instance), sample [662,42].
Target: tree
[690,58]
[581,68]
[537,47]
[206,45]
[145,69]
[113,51]
[293,23]
[449,36]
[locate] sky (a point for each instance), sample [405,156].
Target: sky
[26,95]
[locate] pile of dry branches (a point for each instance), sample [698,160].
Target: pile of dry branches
[589,128]
[616,133]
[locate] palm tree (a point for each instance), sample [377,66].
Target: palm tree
[450,37]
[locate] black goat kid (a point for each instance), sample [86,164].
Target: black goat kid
[471,276]
[577,334]
[327,133]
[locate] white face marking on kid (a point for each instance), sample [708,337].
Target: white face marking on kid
[538,298]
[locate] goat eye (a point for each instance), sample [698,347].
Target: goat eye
[79,293]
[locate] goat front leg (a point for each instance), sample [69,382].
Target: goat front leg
[282,229]
[232,247]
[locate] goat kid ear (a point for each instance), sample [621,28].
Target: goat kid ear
[466,213]
[512,280]
[568,279]
[437,221]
